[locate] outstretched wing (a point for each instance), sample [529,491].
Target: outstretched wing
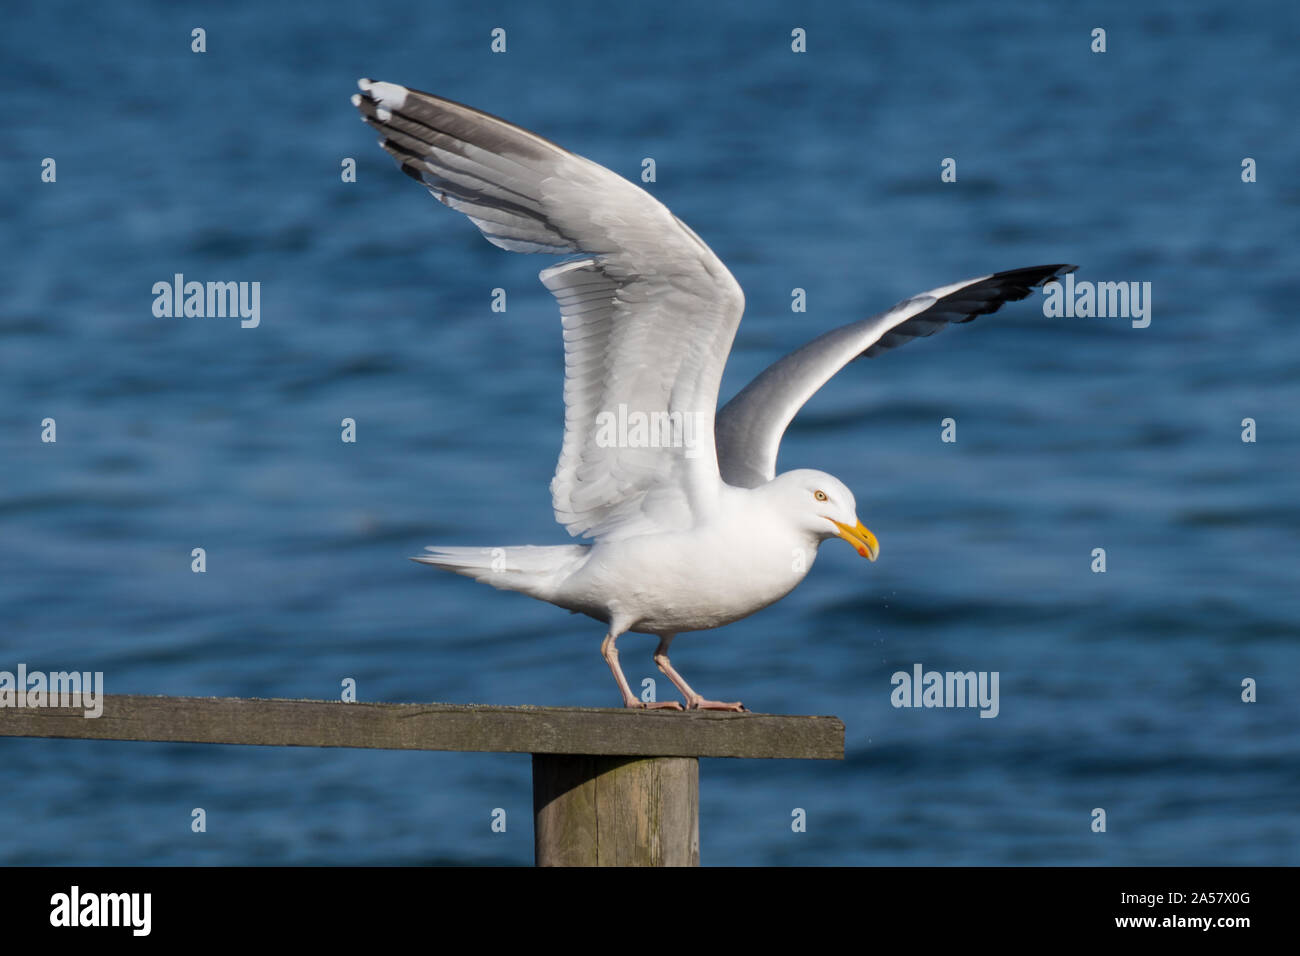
[649,312]
[750,426]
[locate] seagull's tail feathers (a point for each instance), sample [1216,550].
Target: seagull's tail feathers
[528,569]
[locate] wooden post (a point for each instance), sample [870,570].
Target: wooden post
[616,811]
[610,787]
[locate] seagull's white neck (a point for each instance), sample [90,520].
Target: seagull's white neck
[766,511]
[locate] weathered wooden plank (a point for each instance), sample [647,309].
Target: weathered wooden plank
[538,730]
[616,811]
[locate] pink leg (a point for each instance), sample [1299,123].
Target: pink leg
[610,653]
[693,700]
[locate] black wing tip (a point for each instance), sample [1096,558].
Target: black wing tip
[983,297]
[1049,271]
[1040,275]
[1015,284]
[378,102]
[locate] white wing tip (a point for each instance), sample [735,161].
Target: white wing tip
[387,96]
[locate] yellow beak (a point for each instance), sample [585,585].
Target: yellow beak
[863,541]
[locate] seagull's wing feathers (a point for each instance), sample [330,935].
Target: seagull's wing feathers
[649,312]
[750,426]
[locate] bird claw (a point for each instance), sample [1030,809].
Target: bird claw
[656,705]
[699,703]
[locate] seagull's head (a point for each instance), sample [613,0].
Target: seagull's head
[825,508]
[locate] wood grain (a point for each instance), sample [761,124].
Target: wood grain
[616,811]
[536,730]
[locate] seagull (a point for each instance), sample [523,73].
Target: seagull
[684,524]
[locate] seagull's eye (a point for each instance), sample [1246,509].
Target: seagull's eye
[819,495]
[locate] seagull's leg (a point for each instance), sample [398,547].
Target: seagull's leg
[693,700]
[610,653]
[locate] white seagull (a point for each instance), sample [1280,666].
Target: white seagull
[690,525]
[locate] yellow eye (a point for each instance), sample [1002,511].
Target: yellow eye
[819,495]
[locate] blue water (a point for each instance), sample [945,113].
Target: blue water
[820,171]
